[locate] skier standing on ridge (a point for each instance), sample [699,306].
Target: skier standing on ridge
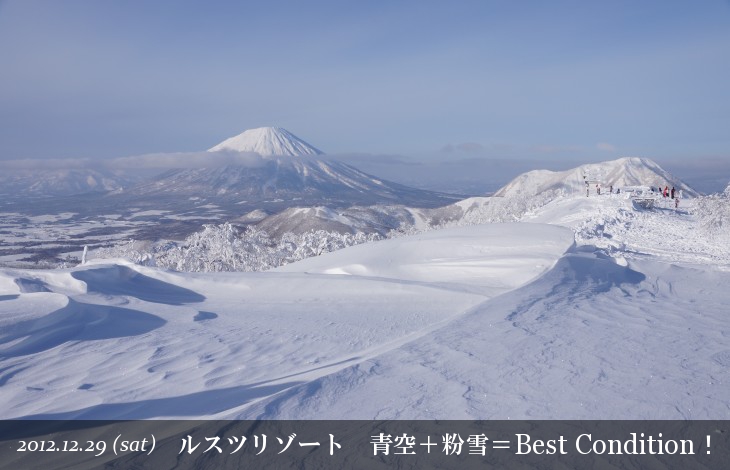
[672,192]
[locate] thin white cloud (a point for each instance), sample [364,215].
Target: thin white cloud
[605,147]
[48,164]
[143,162]
[188,160]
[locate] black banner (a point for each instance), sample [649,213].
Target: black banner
[163,445]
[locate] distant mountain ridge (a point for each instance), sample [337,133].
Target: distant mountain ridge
[61,182]
[268,141]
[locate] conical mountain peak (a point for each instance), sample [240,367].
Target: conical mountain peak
[268,141]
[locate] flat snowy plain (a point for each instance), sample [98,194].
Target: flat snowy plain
[587,309]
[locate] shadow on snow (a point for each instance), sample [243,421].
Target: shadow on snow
[203,403]
[121,280]
[76,322]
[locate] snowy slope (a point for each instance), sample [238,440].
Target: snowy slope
[268,141]
[465,256]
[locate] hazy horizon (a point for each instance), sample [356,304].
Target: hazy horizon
[478,90]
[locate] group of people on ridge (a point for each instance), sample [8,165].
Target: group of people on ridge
[666,192]
[670,193]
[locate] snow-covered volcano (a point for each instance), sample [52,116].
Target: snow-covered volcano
[268,141]
[282,179]
[288,169]
[617,173]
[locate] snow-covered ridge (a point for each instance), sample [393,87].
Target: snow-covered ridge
[630,171]
[268,141]
[525,194]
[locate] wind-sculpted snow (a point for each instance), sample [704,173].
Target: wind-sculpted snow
[589,340]
[453,255]
[122,280]
[108,341]
[31,285]
[75,322]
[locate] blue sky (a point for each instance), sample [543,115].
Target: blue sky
[558,80]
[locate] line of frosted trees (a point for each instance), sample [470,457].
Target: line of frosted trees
[226,247]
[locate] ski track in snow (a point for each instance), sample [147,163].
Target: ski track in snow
[498,321]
